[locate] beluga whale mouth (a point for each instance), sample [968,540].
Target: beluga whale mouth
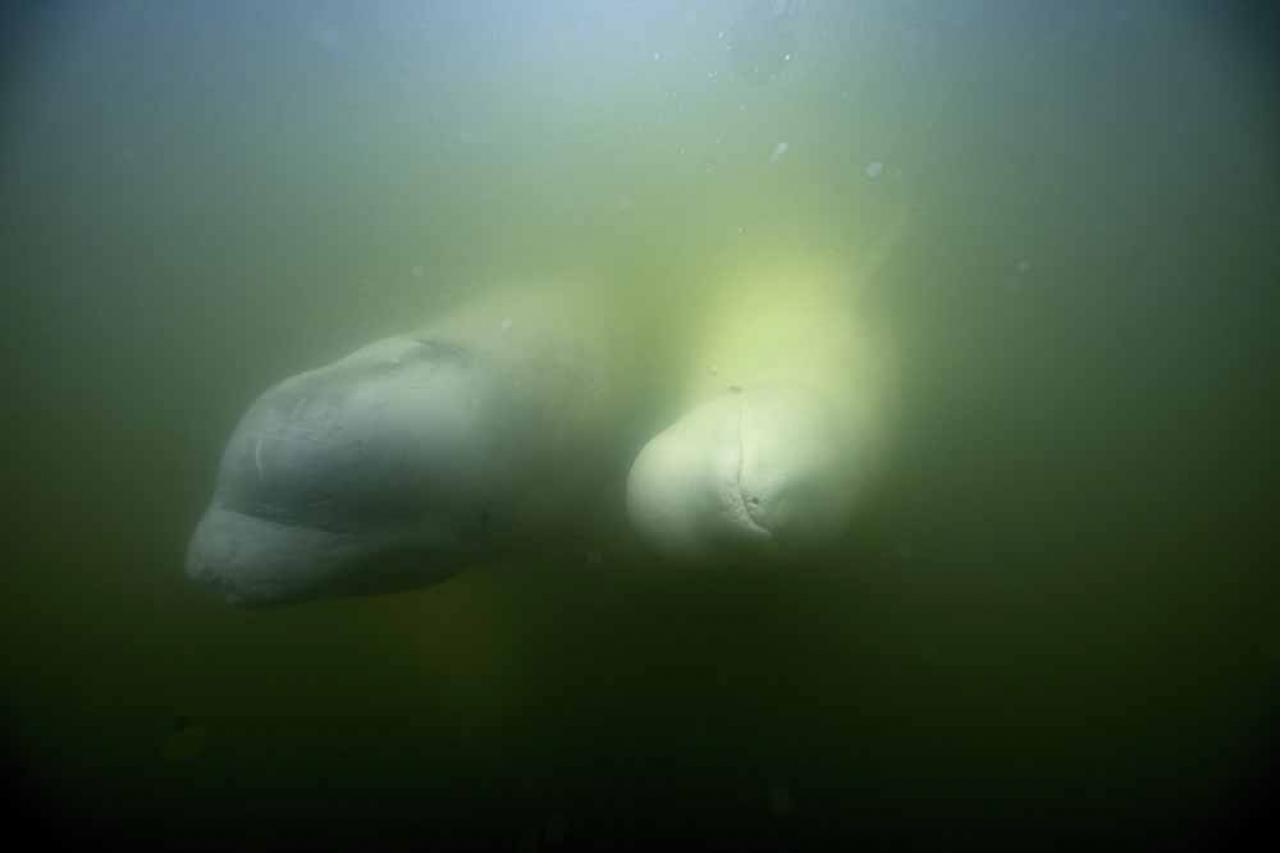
[253,561]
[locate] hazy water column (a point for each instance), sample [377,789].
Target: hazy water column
[1064,595]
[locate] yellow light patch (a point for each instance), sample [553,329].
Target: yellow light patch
[796,324]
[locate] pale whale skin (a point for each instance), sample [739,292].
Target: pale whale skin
[765,471]
[374,473]
[395,467]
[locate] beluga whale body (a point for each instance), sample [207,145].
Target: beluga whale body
[517,422]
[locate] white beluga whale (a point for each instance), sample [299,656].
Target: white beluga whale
[412,457]
[519,421]
[775,443]
[748,471]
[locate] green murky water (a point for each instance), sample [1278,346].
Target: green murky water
[1057,619]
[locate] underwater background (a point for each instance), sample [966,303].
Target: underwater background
[1056,623]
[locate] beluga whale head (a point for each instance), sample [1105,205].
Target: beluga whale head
[491,430]
[385,470]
